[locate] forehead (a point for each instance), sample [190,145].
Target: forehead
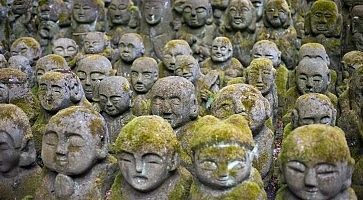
[358,11]
[312,67]
[119,2]
[166,91]
[239,3]
[222,41]
[64,42]
[112,88]
[131,39]
[93,36]
[186,60]
[197,4]
[222,151]
[93,66]
[58,82]
[144,66]
[68,125]
[85,2]
[21,44]
[263,67]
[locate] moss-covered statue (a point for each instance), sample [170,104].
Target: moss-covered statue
[259,7]
[96,43]
[171,50]
[3,61]
[23,64]
[174,99]
[19,175]
[131,46]
[323,25]
[91,70]
[49,63]
[27,47]
[248,101]
[123,17]
[198,28]
[188,67]
[148,152]
[75,156]
[316,164]
[262,74]
[115,102]
[68,49]
[351,61]
[21,20]
[239,25]
[357,26]
[222,152]
[278,27]
[311,108]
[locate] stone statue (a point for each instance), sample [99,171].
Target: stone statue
[144,73]
[19,175]
[20,19]
[246,100]
[239,25]
[219,7]
[115,97]
[351,61]
[188,67]
[23,64]
[27,47]
[68,49]
[197,28]
[316,164]
[222,152]
[174,99]
[74,152]
[279,28]
[171,50]
[3,61]
[259,7]
[131,46]
[357,26]
[49,63]
[148,152]
[97,43]
[311,108]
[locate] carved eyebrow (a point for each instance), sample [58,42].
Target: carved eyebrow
[152,154]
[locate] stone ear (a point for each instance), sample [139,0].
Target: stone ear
[348,179]
[174,162]
[194,107]
[294,118]
[102,149]
[28,153]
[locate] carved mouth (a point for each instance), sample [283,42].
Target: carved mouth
[62,160]
[140,179]
[139,87]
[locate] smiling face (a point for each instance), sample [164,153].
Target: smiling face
[144,73]
[131,47]
[277,13]
[221,49]
[153,12]
[188,67]
[196,13]
[240,14]
[85,11]
[119,13]
[173,49]
[324,17]
[94,42]
[65,47]
[261,74]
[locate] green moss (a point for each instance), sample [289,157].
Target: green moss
[282,76]
[182,188]
[116,192]
[28,41]
[10,75]
[324,5]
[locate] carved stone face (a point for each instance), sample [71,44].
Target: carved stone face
[131,47]
[9,152]
[173,49]
[221,4]
[144,73]
[357,26]
[188,67]
[259,5]
[65,47]
[221,49]
[351,61]
[215,166]
[85,11]
[21,63]
[49,63]
[240,14]
[22,49]
[323,18]
[313,50]
[153,12]
[118,12]
[261,75]
[94,42]
[312,75]
[20,6]
[115,95]
[196,13]
[3,62]
[49,11]
[267,49]
[4,93]
[276,13]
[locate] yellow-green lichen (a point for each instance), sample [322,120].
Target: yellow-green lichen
[10,75]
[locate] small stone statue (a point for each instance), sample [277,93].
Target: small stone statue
[259,7]
[144,73]
[74,152]
[27,47]
[19,175]
[148,152]
[131,46]
[23,64]
[357,26]
[222,152]
[115,102]
[174,99]
[49,63]
[219,7]
[3,61]
[20,19]
[188,67]
[171,50]
[246,100]
[96,43]
[351,61]
[68,49]
[311,108]
[316,164]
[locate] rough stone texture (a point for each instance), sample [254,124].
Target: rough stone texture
[27,47]
[67,48]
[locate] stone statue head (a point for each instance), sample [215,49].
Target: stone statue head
[312,75]
[242,99]
[65,47]
[3,61]
[172,49]
[91,70]
[49,63]
[13,85]
[240,16]
[95,42]
[119,12]
[17,148]
[174,99]
[155,11]
[316,162]
[313,50]
[259,7]
[220,4]
[357,26]
[27,47]
[147,151]
[74,140]
[23,64]
[277,14]
[188,67]
[115,95]
[85,11]
[356,87]
[261,74]
[222,151]
[222,49]
[351,61]
[20,7]
[197,13]
[144,73]
[323,18]
[131,46]
[49,10]
[313,108]
[267,49]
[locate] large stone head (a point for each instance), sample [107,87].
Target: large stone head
[85,11]
[119,11]
[222,151]
[20,7]
[115,95]
[174,99]
[357,26]
[65,47]
[155,11]
[277,14]
[313,50]
[313,108]
[351,61]
[188,67]
[240,15]
[312,75]
[75,139]
[91,70]
[94,42]
[261,74]
[16,145]
[147,151]
[49,63]
[131,46]
[144,73]
[222,49]
[172,49]
[27,47]
[197,13]
[13,85]
[245,100]
[316,162]
[267,49]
